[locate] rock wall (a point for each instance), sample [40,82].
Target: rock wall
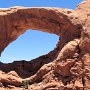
[67,67]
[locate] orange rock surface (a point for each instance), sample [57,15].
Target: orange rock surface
[67,67]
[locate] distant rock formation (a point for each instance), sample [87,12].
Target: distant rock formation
[67,67]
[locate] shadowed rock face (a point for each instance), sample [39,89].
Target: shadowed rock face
[67,67]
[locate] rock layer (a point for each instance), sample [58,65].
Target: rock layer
[67,67]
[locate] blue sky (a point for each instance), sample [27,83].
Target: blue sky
[33,43]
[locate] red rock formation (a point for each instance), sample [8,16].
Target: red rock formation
[67,67]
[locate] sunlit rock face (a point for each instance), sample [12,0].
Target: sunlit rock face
[67,67]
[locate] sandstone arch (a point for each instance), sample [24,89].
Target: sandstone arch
[51,20]
[68,66]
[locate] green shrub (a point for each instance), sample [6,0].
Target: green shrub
[25,84]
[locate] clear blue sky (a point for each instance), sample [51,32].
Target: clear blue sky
[33,43]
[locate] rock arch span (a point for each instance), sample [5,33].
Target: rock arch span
[16,20]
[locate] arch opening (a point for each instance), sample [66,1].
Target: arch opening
[29,45]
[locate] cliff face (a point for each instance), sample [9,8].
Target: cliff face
[67,67]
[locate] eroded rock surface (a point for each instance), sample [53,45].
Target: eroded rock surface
[67,67]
